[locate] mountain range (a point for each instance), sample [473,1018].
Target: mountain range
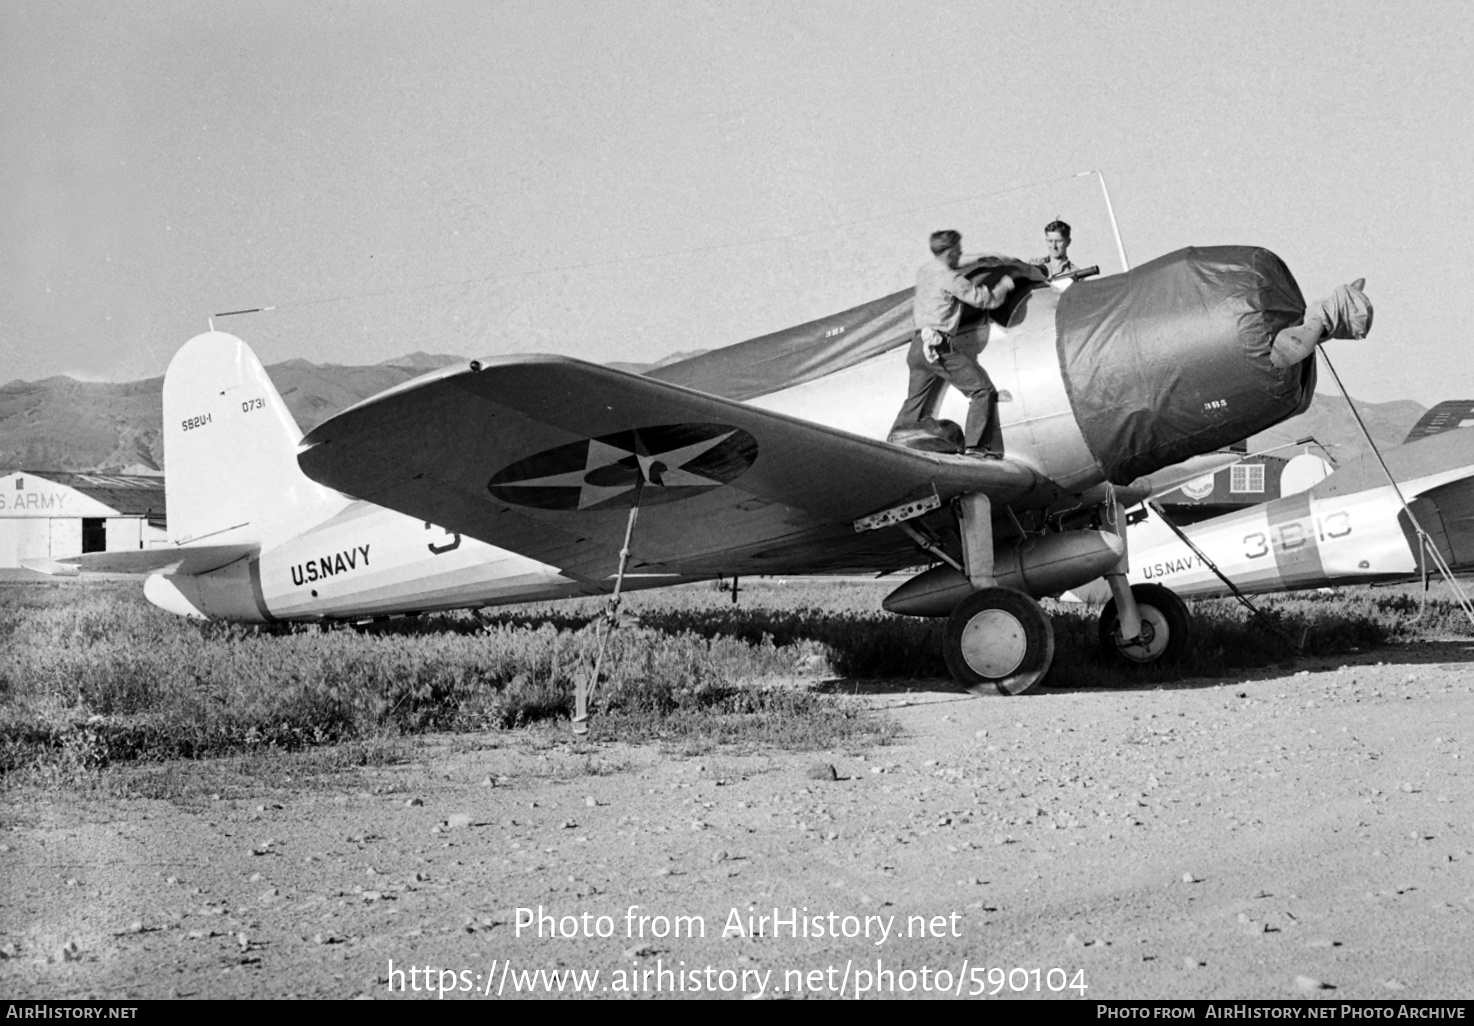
[62,424]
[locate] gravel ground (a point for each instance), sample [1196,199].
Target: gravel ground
[1309,835]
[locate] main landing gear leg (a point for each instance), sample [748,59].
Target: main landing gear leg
[996,638]
[1166,626]
[1128,616]
[1145,623]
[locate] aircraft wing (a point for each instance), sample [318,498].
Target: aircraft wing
[193,559]
[1169,478]
[545,455]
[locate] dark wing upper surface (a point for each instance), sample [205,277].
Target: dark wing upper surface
[545,456]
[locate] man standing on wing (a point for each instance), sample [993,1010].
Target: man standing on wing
[934,360]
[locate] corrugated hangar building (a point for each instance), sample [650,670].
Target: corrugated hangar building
[47,514]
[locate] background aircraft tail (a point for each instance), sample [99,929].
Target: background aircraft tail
[230,447]
[1449,415]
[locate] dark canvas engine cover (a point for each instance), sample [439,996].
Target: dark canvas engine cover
[1172,358]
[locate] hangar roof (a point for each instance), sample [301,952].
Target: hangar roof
[132,495]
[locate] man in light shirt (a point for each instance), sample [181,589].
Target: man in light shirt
[1057,238]
[935,361]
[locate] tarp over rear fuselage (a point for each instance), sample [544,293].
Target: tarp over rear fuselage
[784,359]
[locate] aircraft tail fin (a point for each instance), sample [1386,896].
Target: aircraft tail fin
[230,446]
[1446,416]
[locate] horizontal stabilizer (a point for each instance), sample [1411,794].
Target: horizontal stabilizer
[50,567]
[190,559]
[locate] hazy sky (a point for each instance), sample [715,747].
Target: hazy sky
[621,179]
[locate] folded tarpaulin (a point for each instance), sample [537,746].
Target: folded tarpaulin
[1345,313]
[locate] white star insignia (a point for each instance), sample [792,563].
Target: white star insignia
[607,473]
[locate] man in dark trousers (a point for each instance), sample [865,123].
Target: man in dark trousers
[934,359]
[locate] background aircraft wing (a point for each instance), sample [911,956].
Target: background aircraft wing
[546,455]
[1170,478]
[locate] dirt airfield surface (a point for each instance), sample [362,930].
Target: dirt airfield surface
[1301,836]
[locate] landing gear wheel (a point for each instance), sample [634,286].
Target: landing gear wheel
[1166,626]
[998,638]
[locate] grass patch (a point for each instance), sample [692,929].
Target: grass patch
[1228,638]
[96,676]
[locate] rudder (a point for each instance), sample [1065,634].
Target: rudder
[230,446]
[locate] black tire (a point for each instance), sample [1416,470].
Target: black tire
[998,639]
[1167,627]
